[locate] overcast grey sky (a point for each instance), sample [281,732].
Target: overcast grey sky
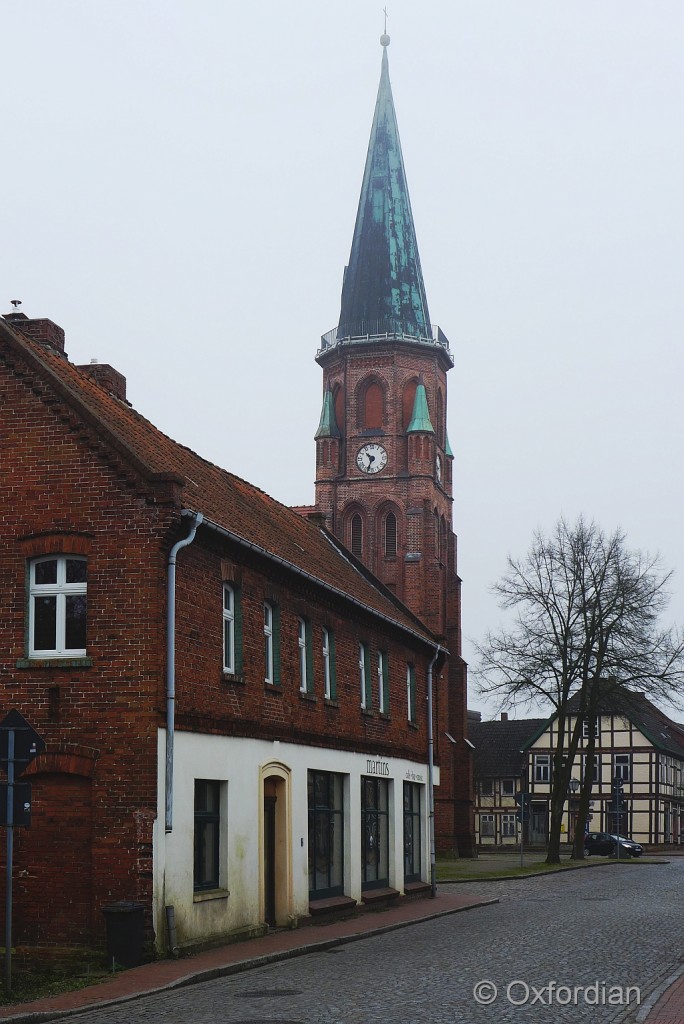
[178,191]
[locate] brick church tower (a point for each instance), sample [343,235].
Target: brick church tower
[383,460]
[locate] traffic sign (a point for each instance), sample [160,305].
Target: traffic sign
[22,803]
[27,743]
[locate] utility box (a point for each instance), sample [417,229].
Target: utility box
[125,932]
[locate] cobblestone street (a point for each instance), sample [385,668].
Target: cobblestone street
[617,926]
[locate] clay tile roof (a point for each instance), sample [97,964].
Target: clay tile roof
[225,500]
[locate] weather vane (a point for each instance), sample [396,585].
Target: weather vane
[384,11]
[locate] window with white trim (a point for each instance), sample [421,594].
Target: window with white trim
[364,677]
[486,825]
[57,607]
[383,682]
[305,656]
[411,692]
[542,767]
[228,628]
[509,825]
[508,787]
[329,681]
[623,764]
[271,643]
[586,726]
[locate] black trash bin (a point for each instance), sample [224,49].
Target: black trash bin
[125,932]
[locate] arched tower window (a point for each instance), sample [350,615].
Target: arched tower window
[356,531]
[370,406]
[390,535]
[408,400]
[439,417]
[338,401]
[436,525]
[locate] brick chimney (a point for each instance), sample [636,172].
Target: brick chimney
[107,377]
[42,330]
[504,716]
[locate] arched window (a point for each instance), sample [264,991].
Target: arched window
[357,535]
[390,535]
[338,401]
[408,400]
[372,407]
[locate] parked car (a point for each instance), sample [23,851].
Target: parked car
[605,845]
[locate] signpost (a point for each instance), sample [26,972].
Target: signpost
[19,744]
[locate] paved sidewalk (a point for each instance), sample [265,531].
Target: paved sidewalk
[240,956]
[668,1008]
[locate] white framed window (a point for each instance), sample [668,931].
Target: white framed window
[487,825]
[486,787]
[364,681]
[508,787]
[329,670]
[509,825]
[228,628]
[585,729]
[268,643]
[623,764]
[301,642]
[383,682]
[57,607]
[542,767]
[411,692]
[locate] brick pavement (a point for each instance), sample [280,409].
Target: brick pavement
[240,956]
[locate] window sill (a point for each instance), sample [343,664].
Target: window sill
[210,894]
[54,663]
[311,697]
[413,725]
[331,702]
[384,716]
[368,712]
[273,688]
[231,677]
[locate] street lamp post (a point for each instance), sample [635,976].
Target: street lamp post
[573,786]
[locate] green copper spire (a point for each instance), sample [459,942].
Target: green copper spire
[447,447]
[328,424]
[383,290]
[420,420]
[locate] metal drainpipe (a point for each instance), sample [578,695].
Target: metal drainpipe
[171,662]
[431,783]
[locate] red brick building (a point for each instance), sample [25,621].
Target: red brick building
[384,465]
[294,684]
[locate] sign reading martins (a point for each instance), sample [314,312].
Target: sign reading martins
[377,767]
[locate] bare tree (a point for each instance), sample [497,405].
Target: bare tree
[587,609]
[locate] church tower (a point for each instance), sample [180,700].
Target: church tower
[383,461]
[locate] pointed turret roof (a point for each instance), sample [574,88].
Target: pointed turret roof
[383,290]
[328,423]
[420,420]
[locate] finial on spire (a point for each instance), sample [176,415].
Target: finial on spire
[384,38]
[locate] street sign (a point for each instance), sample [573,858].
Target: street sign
[523,802]
[21,793]
[27,743]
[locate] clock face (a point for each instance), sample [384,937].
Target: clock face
[371,458]
[438,469]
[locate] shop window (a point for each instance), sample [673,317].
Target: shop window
[374,833]
[57,607]
[412,832]
[207,834]
[326,834]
